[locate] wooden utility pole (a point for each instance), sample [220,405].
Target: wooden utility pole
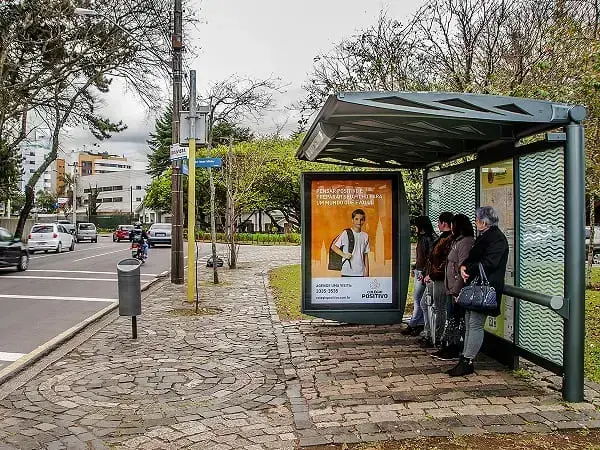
[176,179]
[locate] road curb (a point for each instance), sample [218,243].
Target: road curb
[30,358]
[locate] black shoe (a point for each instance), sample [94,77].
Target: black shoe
[447,353]
[417,330]
[464,367]
[426,343]
[408,331]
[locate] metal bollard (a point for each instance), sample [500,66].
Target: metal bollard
[130,294]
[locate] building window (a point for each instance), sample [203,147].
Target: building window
[31,170]
[31,162]
[138,199]
[117,199]
[31,153]
[139,188]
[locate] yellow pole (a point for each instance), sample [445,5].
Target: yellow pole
[192,221]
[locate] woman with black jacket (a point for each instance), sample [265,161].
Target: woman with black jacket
[491,250]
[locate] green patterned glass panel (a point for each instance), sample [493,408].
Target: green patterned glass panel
[454,193]
[541,250]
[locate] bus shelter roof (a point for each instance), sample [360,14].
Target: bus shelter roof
[423,129]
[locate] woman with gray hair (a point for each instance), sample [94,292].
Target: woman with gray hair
[491,250]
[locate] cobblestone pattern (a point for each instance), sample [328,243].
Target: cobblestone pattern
[241,379]
[210,382]
[370,383]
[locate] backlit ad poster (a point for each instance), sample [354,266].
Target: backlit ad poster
[352,240]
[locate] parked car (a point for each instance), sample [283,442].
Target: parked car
[13,253]
[49,236]
[69,226]
[86,231]
[159,233]
[122,233]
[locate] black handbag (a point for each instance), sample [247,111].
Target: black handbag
[479,295]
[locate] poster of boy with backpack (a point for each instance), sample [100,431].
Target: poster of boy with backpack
[352,248]
[351,241]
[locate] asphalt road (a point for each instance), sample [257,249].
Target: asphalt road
[60,290]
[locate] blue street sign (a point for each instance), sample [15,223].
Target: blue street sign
[209,162]
[203,163]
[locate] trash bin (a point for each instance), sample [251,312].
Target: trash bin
[130,294]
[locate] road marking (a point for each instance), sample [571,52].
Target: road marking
[101,254]
[50,297]
[88,271]
[57,278]
[5,356]
[66,252]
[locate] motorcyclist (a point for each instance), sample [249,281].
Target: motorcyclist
[139,235]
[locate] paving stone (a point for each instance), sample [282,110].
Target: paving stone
[241,379]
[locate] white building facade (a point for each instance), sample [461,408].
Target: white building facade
[120,192]
[33,151]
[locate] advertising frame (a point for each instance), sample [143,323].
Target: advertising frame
[353,312]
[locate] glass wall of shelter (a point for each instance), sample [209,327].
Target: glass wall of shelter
[473,151]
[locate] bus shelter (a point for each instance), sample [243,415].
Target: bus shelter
[524,157]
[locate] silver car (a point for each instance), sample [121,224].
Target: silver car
[86,231]
[49,236]
[159,233]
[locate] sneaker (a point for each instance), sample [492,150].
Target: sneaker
[447,354]
[464,367]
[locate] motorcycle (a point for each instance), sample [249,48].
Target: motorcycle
[137,252]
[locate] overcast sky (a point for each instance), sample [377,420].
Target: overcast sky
[258,39]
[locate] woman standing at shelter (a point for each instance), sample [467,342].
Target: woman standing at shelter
[491,250]
[435,271]
[463,237]
[425,238]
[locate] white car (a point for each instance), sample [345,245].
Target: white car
[49,236]
[159,233]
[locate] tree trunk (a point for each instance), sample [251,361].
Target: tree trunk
[213,227]
[230,210]
[590,255]
[29,199]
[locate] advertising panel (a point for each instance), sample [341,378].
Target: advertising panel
[351,241]
[497,190]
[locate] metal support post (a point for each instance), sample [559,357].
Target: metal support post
[75,194]
[191,279]
[574,263]
[176,179]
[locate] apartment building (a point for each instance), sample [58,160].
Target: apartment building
[33,151]
[91,163]
[119,192]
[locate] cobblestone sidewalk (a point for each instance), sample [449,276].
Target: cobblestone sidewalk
[239,378]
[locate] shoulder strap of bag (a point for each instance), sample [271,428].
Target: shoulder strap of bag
[350,240]
[482,274]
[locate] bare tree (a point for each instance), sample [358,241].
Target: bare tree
[233,100]
[242,172]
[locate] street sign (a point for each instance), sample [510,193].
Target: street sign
[203,163]
[209,162]
[178,152]
[62,200]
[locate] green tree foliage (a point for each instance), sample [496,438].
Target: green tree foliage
[160,143]
[45,202]
[158,193]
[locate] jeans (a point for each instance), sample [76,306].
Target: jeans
[474,322]
[417,318]
[145,249]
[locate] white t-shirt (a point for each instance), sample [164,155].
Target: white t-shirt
[355,267]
